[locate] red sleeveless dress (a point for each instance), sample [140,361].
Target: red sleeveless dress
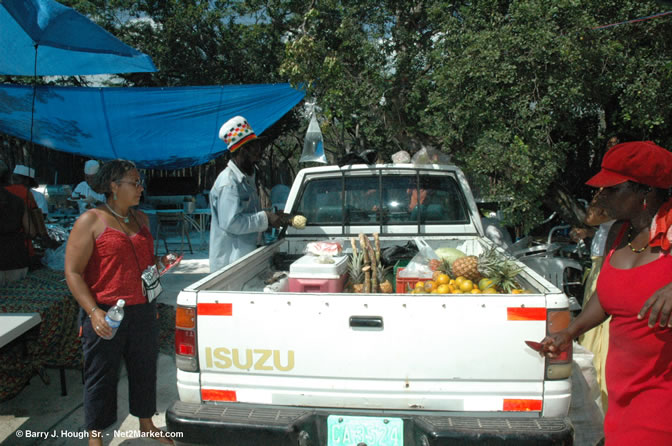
[112,272]
[639,359]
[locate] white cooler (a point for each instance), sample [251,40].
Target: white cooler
[307,275]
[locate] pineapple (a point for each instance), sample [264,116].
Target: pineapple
[384,283]
[500,268]
[491,264]
[445,267]
[503,276]
[467,267]
[442,266]
[298,222]
[356,275]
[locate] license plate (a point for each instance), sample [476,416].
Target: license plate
[372,431]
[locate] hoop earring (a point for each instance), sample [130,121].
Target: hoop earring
[644,204]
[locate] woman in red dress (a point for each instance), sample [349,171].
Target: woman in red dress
[635,289]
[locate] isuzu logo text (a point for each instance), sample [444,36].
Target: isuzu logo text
[249,359]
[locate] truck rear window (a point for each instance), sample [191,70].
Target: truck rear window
[387,199]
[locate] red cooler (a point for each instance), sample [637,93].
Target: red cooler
[308,275]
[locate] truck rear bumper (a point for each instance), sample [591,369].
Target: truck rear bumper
[243,424]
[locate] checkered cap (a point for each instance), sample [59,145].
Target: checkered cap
[236,132]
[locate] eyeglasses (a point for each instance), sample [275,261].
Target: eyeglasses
[138,184]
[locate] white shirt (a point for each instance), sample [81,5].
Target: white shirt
[41,201]
[84,191]
[237,218]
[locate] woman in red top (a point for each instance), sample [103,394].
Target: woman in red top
[35,219]
[107,250]
[635,289]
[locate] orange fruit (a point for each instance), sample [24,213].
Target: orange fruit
[475,291]
[442,279]
[459,280]
[456,291]
[419,284]
[430,285]
[490,291]
[485,283]
[466,286]
[444,288]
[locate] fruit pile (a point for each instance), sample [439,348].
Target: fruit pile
[457,273]
[443,284]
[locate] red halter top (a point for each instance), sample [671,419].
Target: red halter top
[112,272]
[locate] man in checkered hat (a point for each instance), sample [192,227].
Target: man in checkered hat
[237,218]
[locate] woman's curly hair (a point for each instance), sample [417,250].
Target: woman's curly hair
[110,172]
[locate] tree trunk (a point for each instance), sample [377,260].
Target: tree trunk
[570,210]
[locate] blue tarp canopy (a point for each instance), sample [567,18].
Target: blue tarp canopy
[159,128]
[43,37]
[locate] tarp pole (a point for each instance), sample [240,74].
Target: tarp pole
[32,108]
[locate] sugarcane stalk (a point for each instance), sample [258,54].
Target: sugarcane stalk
[376,238]
[353,242]
[365,261]
[374,266]
[367,278]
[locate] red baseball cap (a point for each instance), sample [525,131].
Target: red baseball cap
[640,161]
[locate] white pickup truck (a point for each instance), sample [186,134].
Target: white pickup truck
[313,368]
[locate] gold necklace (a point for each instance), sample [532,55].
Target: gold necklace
[636,251]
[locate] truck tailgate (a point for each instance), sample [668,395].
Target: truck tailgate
[436,352]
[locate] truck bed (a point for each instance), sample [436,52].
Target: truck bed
[389,339]
[251,273]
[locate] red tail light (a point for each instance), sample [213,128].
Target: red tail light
[185,339]
[185,342]
[559,367]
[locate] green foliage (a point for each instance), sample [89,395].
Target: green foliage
[526,94]
[523,94]
[365,63]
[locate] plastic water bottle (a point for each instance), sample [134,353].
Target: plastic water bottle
[114,316]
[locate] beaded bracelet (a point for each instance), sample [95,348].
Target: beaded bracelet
[93,310]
